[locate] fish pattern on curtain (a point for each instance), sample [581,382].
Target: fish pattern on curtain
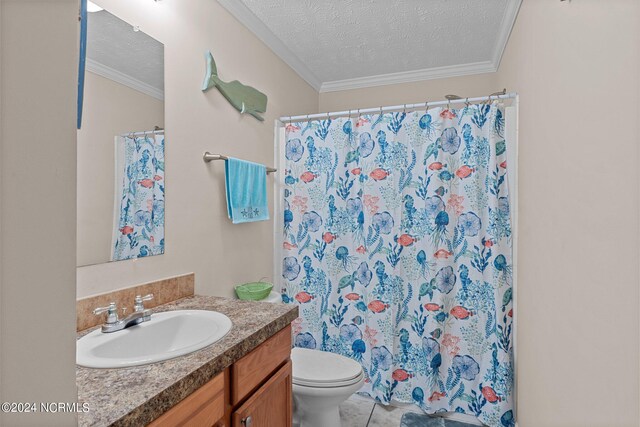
[397,248]
[140,230]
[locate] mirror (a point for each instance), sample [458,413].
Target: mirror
[121,184]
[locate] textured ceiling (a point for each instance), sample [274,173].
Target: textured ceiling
[112,43]
[338,40]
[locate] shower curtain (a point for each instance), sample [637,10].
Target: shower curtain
[140,228]
[397,248]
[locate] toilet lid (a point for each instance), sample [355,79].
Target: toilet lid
[323,368]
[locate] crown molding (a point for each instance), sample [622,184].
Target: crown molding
[124,79]
[409,76]
[246,17]
[506,26]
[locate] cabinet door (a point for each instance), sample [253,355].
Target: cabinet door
[254,368]
[203,408]
[270,405]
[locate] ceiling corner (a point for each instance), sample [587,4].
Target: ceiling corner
[487,63]
[506,26]
[260,30]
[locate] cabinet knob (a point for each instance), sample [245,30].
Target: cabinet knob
[246,422]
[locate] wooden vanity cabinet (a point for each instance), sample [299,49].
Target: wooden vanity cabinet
[253,392]
[203,407]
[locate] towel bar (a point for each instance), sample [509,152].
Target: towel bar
[207,157]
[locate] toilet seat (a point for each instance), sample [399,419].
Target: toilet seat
[321,369]
[312,384]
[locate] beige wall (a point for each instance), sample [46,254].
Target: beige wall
[576,66]
[1,204]
[110,109]
[577,69]
[38,214]
[199,237]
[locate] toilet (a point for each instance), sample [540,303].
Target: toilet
[321,382]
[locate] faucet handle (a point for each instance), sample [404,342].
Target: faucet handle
[111,310]
[139,301]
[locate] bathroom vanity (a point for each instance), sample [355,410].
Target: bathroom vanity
[256,390]
[242,380]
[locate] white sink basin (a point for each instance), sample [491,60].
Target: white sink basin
[167,335]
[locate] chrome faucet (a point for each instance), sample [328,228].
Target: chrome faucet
[114,324]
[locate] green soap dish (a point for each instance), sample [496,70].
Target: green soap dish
[254,291]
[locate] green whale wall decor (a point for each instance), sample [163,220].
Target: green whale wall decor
[243,98]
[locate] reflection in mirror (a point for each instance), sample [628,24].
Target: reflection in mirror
[121,144]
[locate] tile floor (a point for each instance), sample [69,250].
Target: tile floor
[358,411]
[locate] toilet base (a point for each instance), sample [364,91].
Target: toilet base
[319,407]
[326,418]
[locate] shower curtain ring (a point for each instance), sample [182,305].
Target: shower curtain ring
[426,106]
[466,102]
[381,110]
[404,109]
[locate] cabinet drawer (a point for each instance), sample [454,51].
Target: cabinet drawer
[270,405]
[203,408]
[250,371]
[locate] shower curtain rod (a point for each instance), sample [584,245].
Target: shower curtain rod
[143,132]
[285,119]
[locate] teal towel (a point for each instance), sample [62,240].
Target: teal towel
[246,185]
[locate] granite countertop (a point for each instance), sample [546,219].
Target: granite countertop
[135,396]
